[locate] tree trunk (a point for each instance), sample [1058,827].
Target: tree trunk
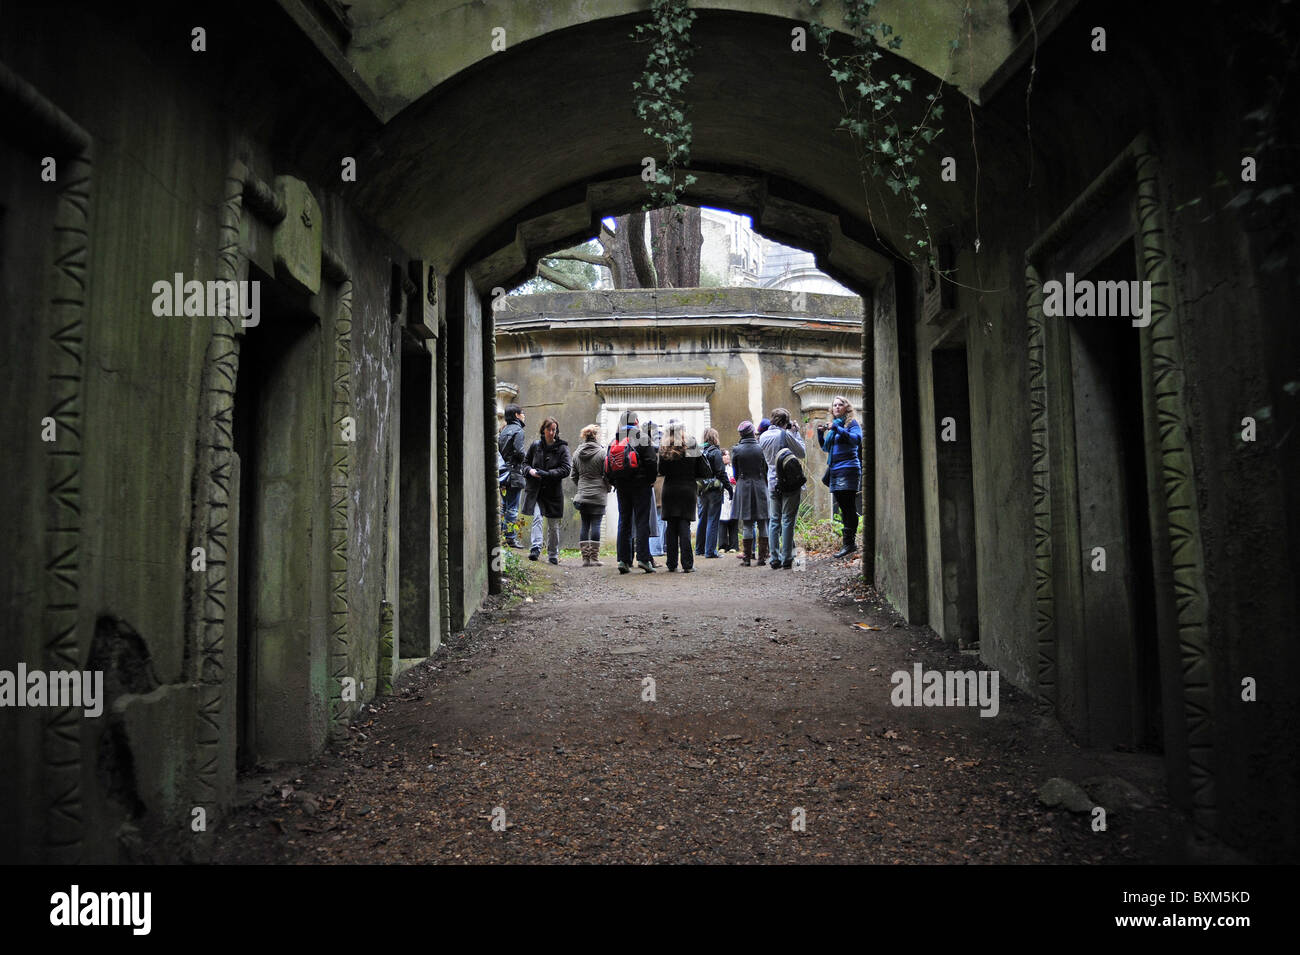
[630,265]
[677,239]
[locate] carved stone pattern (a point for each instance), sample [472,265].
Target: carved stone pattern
[61,736]
[1186,557]
[212,504]
[341,711]
[1040,483]
[444,487]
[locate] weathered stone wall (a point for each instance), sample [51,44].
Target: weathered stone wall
[1236,353]
[151,201]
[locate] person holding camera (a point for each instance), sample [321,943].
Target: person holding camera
[841,440]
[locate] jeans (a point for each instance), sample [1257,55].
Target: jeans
[678,537]
[510,511]
[536,532]
[634,521]
[553,525]
[706,532]
[727,535]
[782,508]
[590,524]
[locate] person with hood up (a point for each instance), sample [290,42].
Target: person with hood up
[631,464]
[593,493]
[546,466]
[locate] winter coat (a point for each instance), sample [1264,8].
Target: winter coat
[713,458]
[647,461]
[841,444]
[771,443]
[553,464]
[751,481]
[589,475]
[680,471]
[511,445]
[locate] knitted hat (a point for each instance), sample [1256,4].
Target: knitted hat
[745,427]
[764,425]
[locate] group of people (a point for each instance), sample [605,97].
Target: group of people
[755,486]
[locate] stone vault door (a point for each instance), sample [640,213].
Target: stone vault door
[653,399]
[1119,217]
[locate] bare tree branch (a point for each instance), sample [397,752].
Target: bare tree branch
[579,255]
[559,278]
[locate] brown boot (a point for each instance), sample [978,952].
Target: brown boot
[585,548]
[747,557]
[762,550]
[595,553]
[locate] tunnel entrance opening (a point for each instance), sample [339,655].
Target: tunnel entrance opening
[1118,585]
[278,430]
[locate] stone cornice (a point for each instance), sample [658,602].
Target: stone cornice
[674,306]
[815,394]
[655,391]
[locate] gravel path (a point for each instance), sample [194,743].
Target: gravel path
[770,709]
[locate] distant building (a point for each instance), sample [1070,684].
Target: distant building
[733,254]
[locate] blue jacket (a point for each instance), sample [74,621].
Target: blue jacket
[841,443]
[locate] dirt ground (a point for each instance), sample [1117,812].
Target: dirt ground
[530,738]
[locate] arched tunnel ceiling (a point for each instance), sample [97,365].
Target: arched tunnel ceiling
[401,49]
[529,128]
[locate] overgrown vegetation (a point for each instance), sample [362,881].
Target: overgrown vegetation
[661,101]
[888,147]
[816,536]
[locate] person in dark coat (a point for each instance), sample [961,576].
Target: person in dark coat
[634,487]
[715,487]
[750,503]
[680,465]
[512,446]
[546,466]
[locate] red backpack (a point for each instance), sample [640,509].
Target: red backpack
[620,459]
